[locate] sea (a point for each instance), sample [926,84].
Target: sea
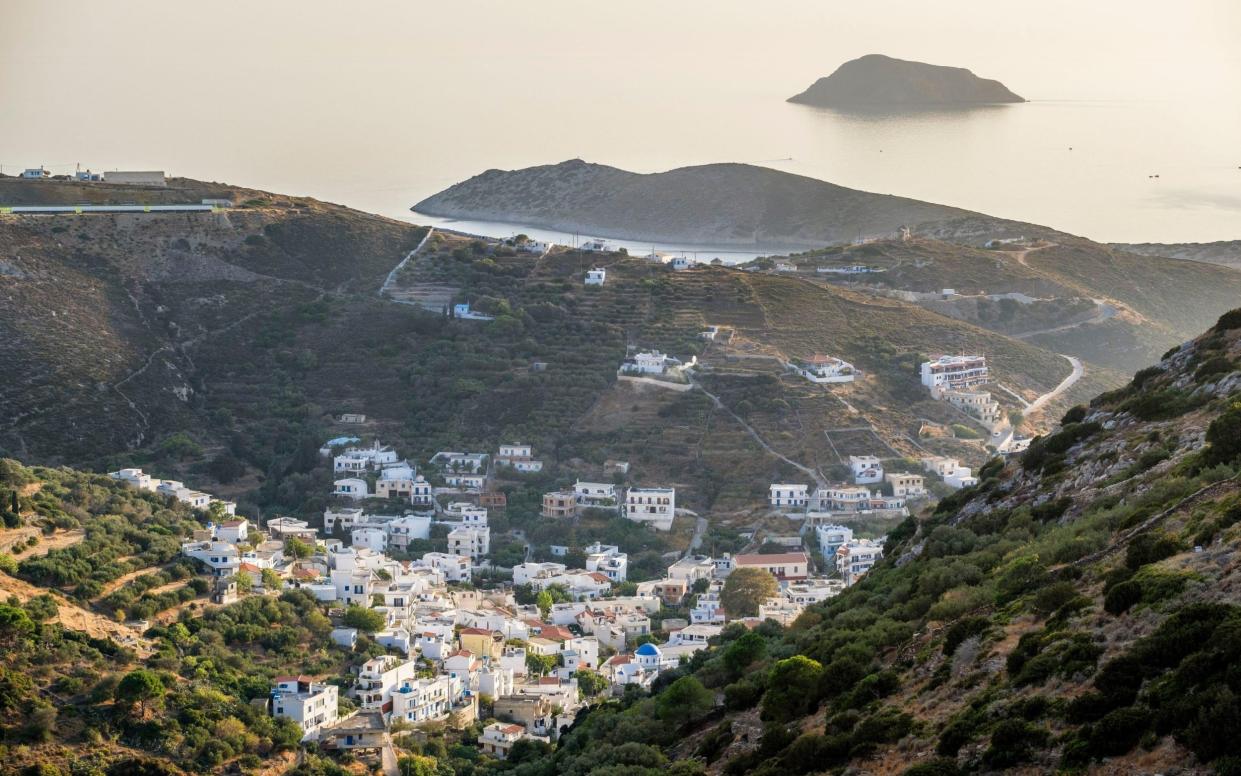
[382,105]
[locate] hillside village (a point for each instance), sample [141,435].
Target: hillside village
[530,477]
[468,638]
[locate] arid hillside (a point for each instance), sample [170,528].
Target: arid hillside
[734,205]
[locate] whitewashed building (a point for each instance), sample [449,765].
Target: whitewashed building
[867,469]
[855,558]
[351,488]
[954,373]
[786,496]
[655,507]
[824,369]
[310,704]
[596,276]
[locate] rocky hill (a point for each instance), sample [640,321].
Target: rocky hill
[1226,252]
[1075,612]
[1106,305]
[881,81]
[722,205]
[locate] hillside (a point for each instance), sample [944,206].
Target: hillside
[1111,307]
[1226,252]
[723,205]
[1076,611]
[877,80]
[221,348]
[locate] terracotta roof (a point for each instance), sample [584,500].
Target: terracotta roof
[249,567]
[770,560]
[618,660]
[549,680]
[306,574]
[475,632]
[598,577]
[299,678]
[512,729]
[556,633]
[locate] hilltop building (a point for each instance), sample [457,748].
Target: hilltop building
[954,373]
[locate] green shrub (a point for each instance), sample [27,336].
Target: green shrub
[1013,742]
[1150,548]
[1118,731]
[962,630]
[1122,597]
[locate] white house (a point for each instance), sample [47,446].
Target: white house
[309,703]
[599,495]
[831,538]
[789,496]
[683,262]
[595,246]
[35,173]
[473,542]
[692,568]
[420,700]
[371,538]
[422,494]
[812,591]
[954,373]
[824,369]
[351,488]
[461,462]
[455,568]
[526,573]
[653,506]
[867,469]
[509,452]
[950,471]
[609,561]
[221,558]
[395,481]
[596,276]
[841,498]
[233,531]
[855,558]
[466,482]
[654,362]
[498,738]
[379,677]
[406,529]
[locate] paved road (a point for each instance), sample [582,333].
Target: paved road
[1065,384]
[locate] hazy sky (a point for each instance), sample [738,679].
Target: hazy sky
[330,98]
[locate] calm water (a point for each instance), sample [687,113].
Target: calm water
[394,101]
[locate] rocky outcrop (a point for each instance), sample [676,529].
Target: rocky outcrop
[877,80]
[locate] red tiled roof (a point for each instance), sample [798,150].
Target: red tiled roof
[475,632]
[249,567]
[549,680]
[512,729]
[598,577]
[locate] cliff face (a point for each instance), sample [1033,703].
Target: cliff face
[735,205]
[877,80]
